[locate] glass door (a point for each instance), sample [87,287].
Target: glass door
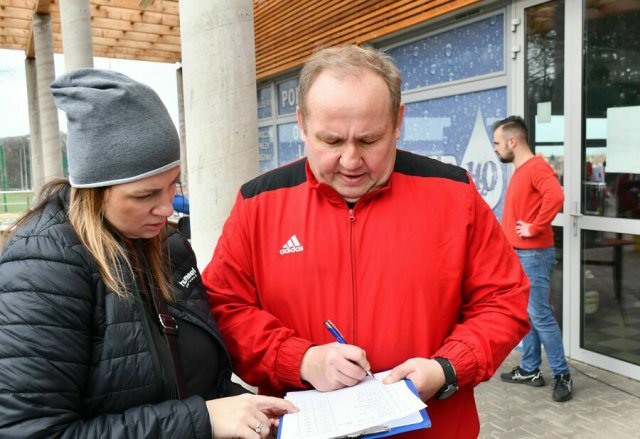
[577,82]
[607,222]
[539,62]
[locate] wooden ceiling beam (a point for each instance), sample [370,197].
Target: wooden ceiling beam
[165,7]
[15,23]
[119,35]
[28,4]
[161,29]
[135,16]
[16,33]
[15,13]
[171,49]
[43,6]
[135,54]
[12,42]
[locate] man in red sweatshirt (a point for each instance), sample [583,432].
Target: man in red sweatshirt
[400,251]
[533,199]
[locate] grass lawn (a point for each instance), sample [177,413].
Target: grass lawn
[15,202]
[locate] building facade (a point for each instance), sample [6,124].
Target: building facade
[571,68]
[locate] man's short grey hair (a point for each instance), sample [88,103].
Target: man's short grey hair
[351,60]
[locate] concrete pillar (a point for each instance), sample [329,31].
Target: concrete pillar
[218,66]
[75,18]
[35,134]
[184,177]
[51,149]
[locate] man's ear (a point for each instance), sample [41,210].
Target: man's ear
[399,121]
[303,136]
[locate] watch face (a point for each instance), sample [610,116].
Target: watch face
[447,391]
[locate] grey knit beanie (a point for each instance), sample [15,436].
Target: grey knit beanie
[118,130]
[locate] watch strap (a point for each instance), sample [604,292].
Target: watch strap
[449,371]
[450,381]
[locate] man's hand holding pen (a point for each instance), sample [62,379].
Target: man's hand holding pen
[333,366]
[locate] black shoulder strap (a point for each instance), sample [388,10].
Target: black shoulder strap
[169,328]
[168,325]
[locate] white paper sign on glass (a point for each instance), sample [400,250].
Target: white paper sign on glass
[623,140]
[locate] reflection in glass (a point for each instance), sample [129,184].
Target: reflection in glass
[265,148]
[611,294]
[612,93]
[556,277]
[290,145]
[544,82]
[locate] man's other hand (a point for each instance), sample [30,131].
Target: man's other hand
[427,376]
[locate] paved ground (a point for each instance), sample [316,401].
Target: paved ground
[604,405]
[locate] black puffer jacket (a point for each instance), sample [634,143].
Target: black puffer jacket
[76,360]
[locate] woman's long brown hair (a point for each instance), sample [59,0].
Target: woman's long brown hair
[108,248]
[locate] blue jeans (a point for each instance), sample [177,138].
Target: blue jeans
[538,264]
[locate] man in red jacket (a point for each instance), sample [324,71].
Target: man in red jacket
[398,250]
[533,199]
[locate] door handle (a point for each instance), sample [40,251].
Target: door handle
[574,219]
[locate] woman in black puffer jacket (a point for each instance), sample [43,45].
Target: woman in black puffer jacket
[105,330]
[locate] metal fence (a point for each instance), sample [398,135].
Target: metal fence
[15,202]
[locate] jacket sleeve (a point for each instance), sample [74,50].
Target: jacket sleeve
[544,180]
[47,305]
[265,352]
[495,293]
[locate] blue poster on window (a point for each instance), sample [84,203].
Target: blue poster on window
[458,130]
[464,52]
[290,145]
[287,96]
[264,102]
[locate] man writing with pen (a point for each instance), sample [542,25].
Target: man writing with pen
[398,250]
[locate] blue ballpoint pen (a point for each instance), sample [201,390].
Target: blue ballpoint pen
[340,339]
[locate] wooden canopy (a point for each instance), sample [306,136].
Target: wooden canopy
[286,32]
[120,28]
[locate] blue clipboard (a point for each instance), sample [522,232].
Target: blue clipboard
[424,423]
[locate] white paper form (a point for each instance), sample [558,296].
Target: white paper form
[370,403]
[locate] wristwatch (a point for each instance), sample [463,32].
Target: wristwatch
[450,382]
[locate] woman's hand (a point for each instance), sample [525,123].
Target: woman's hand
[246,416]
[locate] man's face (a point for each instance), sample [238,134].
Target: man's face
[349,132]
[502,146]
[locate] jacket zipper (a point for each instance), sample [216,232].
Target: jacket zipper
[352,219]
[149,319]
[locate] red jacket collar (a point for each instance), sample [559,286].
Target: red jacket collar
[334,197]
